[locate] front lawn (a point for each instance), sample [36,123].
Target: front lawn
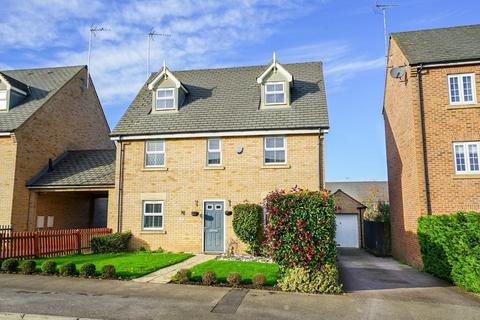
[247,270]
[128,265]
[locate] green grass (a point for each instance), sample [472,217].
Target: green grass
[128,265]
[246,269]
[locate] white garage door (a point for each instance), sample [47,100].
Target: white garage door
[347,230]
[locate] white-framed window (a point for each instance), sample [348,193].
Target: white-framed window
[3,99]
[275,151]
[466,157]
[461,88]
[165,99]
[214,152]
[40,221]
[50,220]
[274,93]
[152,216]
[154,154]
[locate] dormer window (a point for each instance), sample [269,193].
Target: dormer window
[165,99]
[274,93]
[3,99]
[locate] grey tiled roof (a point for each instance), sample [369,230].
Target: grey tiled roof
[15,83]
[79,168]
[440,45]
[228,99]
[362,191]
[42,84]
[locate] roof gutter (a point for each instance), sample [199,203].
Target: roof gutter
[5,134]
[423,140]
[446,64]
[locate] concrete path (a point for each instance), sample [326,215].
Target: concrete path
[19,316]
[111,299]
[367,276]
[165,275]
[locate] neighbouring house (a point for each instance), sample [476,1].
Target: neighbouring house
[352,199]
[432,124]
[45,115]
[195,143]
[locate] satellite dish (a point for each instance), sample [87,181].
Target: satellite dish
[397,72]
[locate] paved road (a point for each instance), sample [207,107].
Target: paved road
[104,299]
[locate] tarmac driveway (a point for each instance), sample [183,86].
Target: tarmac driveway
[364,275]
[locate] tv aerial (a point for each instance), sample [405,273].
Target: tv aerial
[151,36]
[93,32]
[382,9]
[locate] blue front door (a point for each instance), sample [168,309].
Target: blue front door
[213,224]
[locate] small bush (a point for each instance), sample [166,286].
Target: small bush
[182,276]
[10,265]
[247,224]
[259,280]
[49,267]
[300,279]
[28,266]
[450,248]
[234,279]
[209,278]
[301,228]
[111,243]
[108,272]
[68,269]
[88,270]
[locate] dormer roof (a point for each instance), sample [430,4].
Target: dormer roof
[275,66]
[14,84]
[165,73]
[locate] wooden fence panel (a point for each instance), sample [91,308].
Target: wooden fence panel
[50,243]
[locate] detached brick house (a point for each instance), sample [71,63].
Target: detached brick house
[432,124]
[195,143]
[45,114]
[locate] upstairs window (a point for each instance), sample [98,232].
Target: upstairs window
[466,157]
[274,93]
[152,215]
[154,154]
[462,88]
[274,150]
[165,99]
[3,99]
[214,152]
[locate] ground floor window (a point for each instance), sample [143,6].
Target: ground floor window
[152,215]
[466,157]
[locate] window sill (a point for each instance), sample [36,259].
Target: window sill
[214,168]
[153,232]
[155,169]
[276,166]
[466,176]
[463,106]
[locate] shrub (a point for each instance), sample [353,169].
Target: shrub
[258,280]
[10,265]
[234,279]
[182,276]
[68,269]
[450,247]
[111,243]
[88,270]
[209,278]
[28,266]
[247,224]
[300,279]
[49,267]
[108,272]
[301,228]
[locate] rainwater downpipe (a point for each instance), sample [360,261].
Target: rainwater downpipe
[424,144]
[120,186]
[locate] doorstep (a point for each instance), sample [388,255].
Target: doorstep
[165,275]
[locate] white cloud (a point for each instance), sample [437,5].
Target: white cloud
[339,71]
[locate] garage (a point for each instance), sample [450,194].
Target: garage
[347,230]
[348,214]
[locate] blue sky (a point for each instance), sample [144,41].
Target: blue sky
[347,35]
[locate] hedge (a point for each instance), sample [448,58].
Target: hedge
[450,247]
[301,228]
[247,224]
[111,243]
